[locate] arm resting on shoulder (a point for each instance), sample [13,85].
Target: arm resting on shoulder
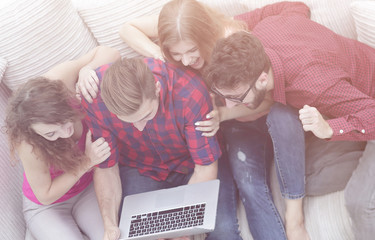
[138,34]
[68,71]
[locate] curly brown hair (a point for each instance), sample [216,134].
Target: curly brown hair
[41,100]
[237,59]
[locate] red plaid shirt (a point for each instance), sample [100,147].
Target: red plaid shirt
[313,65]
[169,141]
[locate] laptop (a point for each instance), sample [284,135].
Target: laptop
[167,213]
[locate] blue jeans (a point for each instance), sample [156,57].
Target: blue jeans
[226,220]
[252,146]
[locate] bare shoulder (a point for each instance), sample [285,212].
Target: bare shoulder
[29,157]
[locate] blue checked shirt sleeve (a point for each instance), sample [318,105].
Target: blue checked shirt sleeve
[98,126]
[98,118]
[203,150]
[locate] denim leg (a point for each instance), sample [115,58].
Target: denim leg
[288,141]
[250,153]
[226,219]
[133,182]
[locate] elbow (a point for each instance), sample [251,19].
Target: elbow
[305,9]
[124,29]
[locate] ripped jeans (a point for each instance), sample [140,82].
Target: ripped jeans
[252,146]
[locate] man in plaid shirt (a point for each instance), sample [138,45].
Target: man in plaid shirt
[146,110]
[331,79]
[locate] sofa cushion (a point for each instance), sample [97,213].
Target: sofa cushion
[104,18]
[329,165]
[228,7]
[3,66]
[35,35]
[364,18]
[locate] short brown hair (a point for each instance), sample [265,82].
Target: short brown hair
[126,84]
[193,21]
[239,58]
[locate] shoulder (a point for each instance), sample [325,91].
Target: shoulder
[178,81]
[27,154]
[24,148]
[100,71]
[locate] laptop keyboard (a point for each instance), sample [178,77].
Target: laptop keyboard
[162,221]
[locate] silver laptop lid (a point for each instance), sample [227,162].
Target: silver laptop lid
[167,213]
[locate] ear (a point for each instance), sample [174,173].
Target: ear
[157,88]
[262,81]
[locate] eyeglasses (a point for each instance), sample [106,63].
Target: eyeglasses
[231,98]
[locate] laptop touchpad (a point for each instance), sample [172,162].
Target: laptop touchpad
[170,198]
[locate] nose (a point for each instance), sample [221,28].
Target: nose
[230,103]
[185,60]
[64,133]
[140,125]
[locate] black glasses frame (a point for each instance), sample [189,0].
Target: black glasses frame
[233,99]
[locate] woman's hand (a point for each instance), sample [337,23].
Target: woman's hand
[97,151]
[87,84]
[210,126]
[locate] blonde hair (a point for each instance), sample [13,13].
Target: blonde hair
[193,21]
[126,84]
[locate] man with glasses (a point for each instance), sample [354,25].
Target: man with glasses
[254,145]
[331,79]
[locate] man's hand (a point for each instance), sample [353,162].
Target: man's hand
[111,233]
[313,121]
[87,84]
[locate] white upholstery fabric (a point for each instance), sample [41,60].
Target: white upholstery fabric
[364,17]
[3,66]
[228,7]
[106,18]
[11,217]
[35,35]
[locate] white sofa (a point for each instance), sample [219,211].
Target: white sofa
[35,35]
